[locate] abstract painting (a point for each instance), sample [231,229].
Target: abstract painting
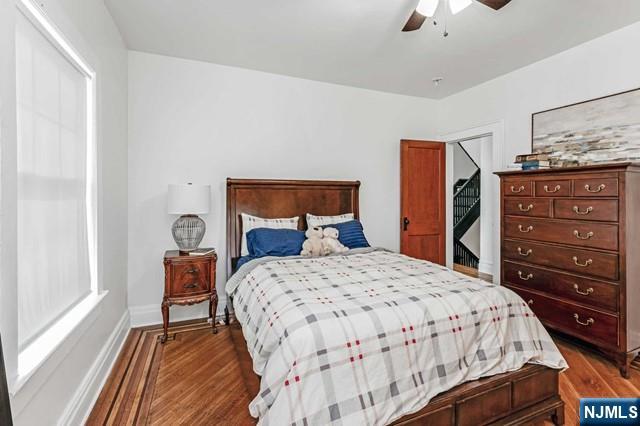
[600,130]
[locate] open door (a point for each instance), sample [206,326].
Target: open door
[423,195]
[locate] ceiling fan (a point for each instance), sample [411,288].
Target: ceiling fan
[427,9]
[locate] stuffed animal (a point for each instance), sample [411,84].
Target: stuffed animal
[330,243]
[312,246]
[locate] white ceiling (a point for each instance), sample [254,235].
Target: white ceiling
[359,42]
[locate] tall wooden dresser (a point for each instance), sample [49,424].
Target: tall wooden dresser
[570,247]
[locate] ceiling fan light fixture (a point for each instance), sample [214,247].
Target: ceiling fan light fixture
[458,5]
[428,7]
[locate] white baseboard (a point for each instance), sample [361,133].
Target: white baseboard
[485,267]
[143,315]
[81,404]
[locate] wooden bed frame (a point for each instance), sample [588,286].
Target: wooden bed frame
[527,395]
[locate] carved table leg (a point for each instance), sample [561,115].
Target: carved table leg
[165,321]
[213,308]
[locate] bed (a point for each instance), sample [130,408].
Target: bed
[399,351]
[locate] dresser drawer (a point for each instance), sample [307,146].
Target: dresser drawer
[553,188]
[585,323]
[581,209]
[583,234]
[584,262]
[522,188]
[189,278]
[595,187]
[534,207]
[578,289]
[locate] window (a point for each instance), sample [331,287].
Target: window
[56,176]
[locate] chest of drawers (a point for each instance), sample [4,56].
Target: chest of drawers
[570,246]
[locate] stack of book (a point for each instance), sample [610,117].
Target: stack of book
[534,161]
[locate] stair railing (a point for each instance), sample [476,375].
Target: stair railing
[465,198]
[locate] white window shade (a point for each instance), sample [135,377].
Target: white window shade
[54,182]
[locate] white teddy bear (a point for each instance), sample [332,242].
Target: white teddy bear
[330,242]
[313,246]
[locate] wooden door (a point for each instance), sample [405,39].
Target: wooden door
[423,195]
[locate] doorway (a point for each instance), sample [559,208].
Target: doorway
[467,196]
[480,235]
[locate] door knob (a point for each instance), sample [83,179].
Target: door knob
[405,223]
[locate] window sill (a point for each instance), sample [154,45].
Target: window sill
[31,358]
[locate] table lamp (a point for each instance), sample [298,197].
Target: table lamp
[188,200]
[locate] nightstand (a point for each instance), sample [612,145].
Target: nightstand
[189,279]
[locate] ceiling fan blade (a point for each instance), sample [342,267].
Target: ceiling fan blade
[495,4]
[415,22]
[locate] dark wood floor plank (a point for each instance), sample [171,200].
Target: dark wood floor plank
[108,395]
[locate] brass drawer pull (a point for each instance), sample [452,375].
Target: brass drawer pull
[530,302]
[525,209]
[552,191]
[192,271]
[580,237]
[585,264]
[517,191]
[523,278]
[524,253]
[192,285]
[584,293]
[576,209]
[525,230]
[595,191]
[587,323]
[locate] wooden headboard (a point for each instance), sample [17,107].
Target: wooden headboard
[284,198]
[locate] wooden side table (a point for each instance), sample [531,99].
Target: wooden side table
[188,280]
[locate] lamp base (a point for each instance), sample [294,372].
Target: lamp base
[188,231]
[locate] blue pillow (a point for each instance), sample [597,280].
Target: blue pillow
[351,234]
[274,242]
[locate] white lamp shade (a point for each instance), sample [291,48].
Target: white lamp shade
[189,199]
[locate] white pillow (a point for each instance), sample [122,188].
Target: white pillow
[313,221]
[252,222]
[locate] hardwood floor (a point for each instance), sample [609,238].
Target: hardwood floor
[472,272]
[195,379]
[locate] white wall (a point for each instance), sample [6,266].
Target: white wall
[603,66]
[199,122]
[471,238]
[8,179]
[463,167]
[63,387]
[474,150]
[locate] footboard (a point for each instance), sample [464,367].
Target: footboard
[514,398]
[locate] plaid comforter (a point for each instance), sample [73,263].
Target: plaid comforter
[369,336]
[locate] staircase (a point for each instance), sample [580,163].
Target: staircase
[466,210]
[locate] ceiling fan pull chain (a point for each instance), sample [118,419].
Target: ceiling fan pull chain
[445,34]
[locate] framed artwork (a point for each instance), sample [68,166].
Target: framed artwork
[600,130]
[5,405]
